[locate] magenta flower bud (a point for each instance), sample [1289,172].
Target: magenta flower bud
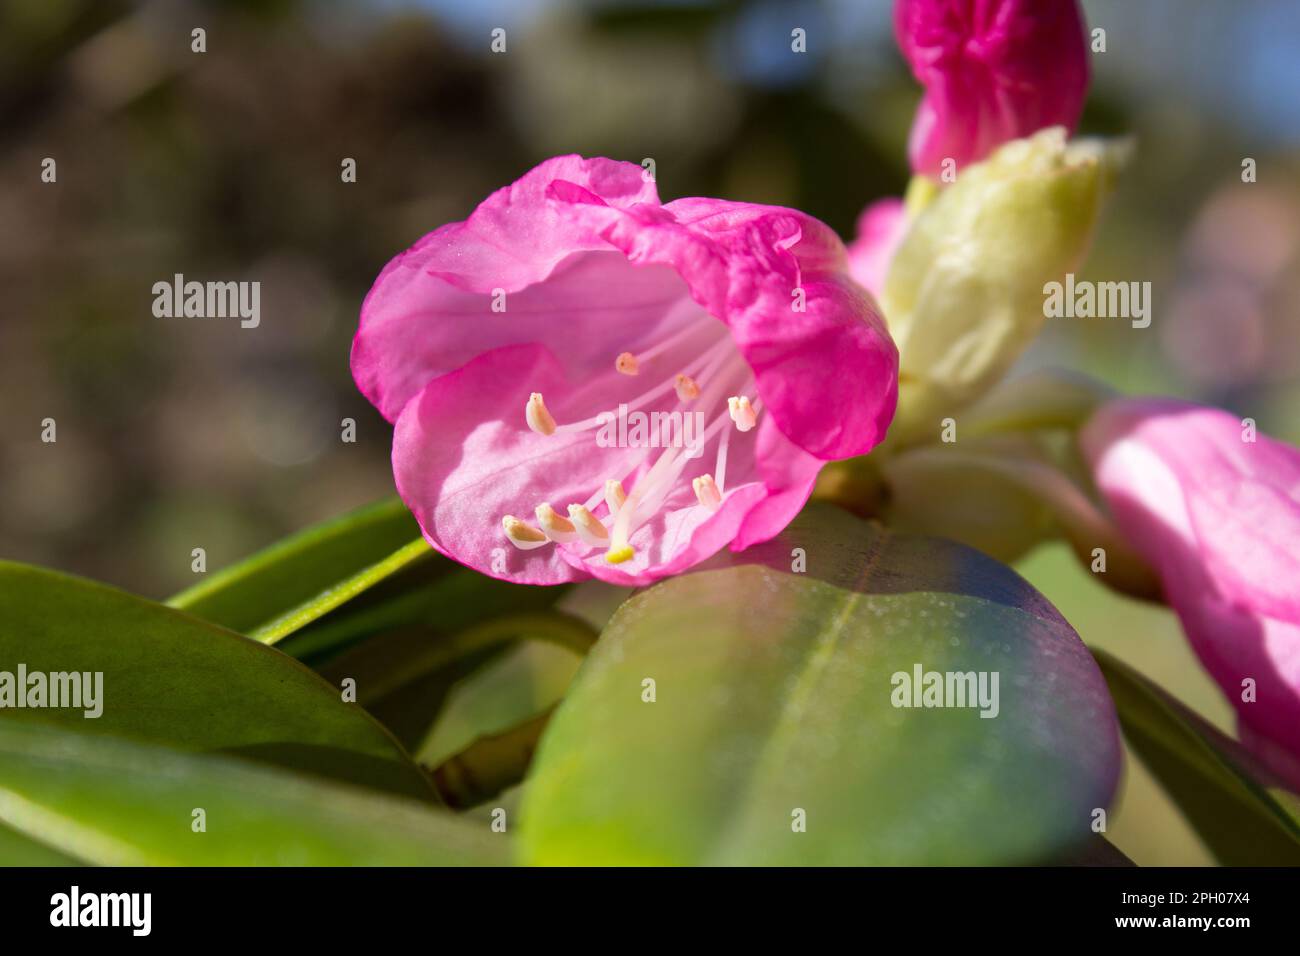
[670,376]
[1215,509]
[993,71]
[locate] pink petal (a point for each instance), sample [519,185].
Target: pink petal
[463,458]
[789,473]
[767,484]
[430,310]
[1219,519]
[993,71]
[828,373]
[680,537]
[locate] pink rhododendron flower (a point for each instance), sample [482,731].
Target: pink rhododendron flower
[1218,517]
[993,71]
[516,350]
[880,229]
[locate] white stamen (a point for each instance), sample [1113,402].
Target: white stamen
[614,496]
[712,357]
[706,492]
[590,530]
[538,418]
[653,489]
[741,412]
[657,493]
[720,464]
[553,526]
[687,331]
[522,535]
[717,367]
[619,549]
[658,490]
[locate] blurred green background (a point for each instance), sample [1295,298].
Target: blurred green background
[175,434]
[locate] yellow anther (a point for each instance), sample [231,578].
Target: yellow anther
[741,412]
[627,364]
[686,388]
[538,418]
[589,528]
[523,535]
[706,492]
[553,526]
[614,495]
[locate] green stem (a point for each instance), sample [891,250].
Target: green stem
[435,651]
[1084,524]
[490,764]
[329,599]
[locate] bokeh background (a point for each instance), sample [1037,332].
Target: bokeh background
[181,433]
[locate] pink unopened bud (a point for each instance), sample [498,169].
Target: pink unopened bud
[993,71]
[1214,507]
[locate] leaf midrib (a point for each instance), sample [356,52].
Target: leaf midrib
[785,726]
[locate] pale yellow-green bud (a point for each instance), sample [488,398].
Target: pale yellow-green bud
[1003,493]
[1042,399]
[964,294]
[970,492]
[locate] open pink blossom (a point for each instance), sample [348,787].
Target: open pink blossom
[993,71]
[1218,517]
[516,350]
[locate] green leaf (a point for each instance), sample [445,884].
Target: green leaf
[19,850]
[403,677]
[439,597]
[1096,852]
[292,583]
[517,685]
[116,803]
[774,694]
[490,765]
[171,679]
[1244,815]
[408,711]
